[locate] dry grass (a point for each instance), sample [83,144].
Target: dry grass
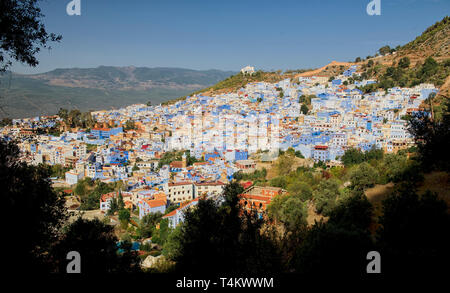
[313,216]
[330,69]
[437,182]
[272,169]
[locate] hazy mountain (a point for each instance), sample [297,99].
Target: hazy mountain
[103,87]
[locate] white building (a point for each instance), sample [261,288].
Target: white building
[248,70]
[72,177]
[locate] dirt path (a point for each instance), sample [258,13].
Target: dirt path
[319,70]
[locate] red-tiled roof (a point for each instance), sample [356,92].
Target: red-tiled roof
[176,164]
[155,202]
[182,205]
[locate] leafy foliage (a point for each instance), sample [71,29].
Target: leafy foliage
[354,156]
[33,212]
[413,233]
[98,247]
[325,196]
[430,71]
[22,32]
[363,177]
[432,138]
[221,233]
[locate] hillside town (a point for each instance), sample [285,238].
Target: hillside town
[196,146]
[220,135]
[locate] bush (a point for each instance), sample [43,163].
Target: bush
[325,196]
[363,177]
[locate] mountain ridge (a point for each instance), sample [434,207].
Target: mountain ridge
[102,87]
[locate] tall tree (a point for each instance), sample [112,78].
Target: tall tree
[363,177]
[432,138]
[33,212]
[98,248]
[22,32]
[413,237]
[217,238]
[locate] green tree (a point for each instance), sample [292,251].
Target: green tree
[300,189]
[33,212]
[284,163]
[293,213]
[404,62]
[161,235]
[120,202]
[130,125]
[280,181]
[63,114]
[432,138]
[97,245]
[384,50]
[354,212]
[148,224]
[304,109]
[221,232]
[124,215]
[394,166]
[352,157]
[373,154]
[348,230]
[22,32]
[330,250]
[113,207]
[429,68]
[325,196]
[363,177]
[172,245]
[80,188]
[412,236]
[274,208]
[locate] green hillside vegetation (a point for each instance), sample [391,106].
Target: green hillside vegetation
[89,191]
[28,98]
[433,42]
[172,156]
[305,101]
[104,87]
[240,80]
[123,77]
[438,30]
[402,75]
[76,118]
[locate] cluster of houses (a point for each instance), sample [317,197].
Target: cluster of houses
[222,132]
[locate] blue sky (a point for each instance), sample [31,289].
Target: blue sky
[197,34]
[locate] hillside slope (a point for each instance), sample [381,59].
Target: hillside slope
[433,42]
[327,70]
[104,87]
